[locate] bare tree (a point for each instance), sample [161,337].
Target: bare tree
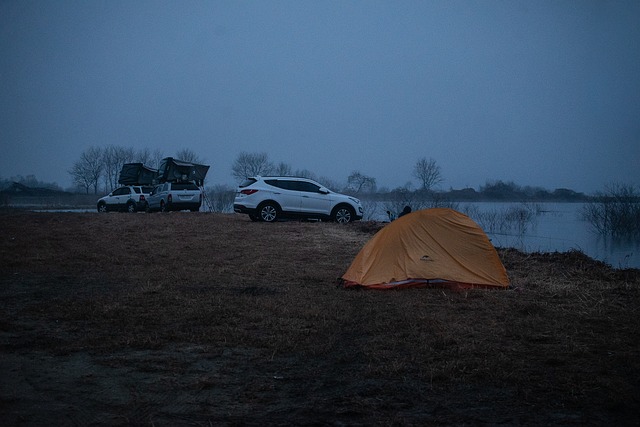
[188,155]
[305,173]
[155,158]
[251,164]
[143,156]
[358,182]
[427,172]
[282,169]
[331,183]
[110,167]
[87,171]
[113,157]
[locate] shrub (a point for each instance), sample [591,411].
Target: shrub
[221,198]
[616,212]
[508,220]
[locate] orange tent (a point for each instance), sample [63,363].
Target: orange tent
[425,248]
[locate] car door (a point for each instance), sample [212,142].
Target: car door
[313,199]
[119,198]
[286,194]
[289,196]
[154,198]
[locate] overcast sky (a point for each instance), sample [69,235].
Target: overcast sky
[542,93]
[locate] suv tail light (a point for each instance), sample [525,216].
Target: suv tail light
[142,197]
[169,198]
[248,192]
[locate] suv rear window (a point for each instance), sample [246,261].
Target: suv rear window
[280,183]
[247,182]
[184,186]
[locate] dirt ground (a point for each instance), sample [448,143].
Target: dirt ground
[211,319]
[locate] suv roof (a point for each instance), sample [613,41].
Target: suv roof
[250,180]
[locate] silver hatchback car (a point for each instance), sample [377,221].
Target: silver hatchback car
[271,197]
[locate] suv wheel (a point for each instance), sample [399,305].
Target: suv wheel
[131,207]
[343,214]
[268,212]
[102,207]
[163,207]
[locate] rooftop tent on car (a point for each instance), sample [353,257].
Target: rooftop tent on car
[430,247]
[136,174]
[171,170]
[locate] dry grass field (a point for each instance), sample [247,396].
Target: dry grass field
[211,319]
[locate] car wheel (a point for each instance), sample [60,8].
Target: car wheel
[268,212]
[131,207]
[343,215]
[102,207]
[163,207]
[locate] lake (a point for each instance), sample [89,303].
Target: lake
[549,227]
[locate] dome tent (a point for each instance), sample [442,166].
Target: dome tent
[428,247]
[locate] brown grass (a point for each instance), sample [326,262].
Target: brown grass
[194,318]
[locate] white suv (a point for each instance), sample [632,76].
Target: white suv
[271,197]
[129,198]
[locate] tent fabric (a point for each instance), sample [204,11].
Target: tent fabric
[431,247]
[136,174]
[178,170]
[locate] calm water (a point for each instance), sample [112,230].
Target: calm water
[552,227]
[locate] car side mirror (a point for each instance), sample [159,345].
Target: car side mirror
[323,190]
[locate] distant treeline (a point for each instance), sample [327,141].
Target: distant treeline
[40,195]
[28,181]
[491,191]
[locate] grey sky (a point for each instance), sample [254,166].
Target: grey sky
[543,93]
